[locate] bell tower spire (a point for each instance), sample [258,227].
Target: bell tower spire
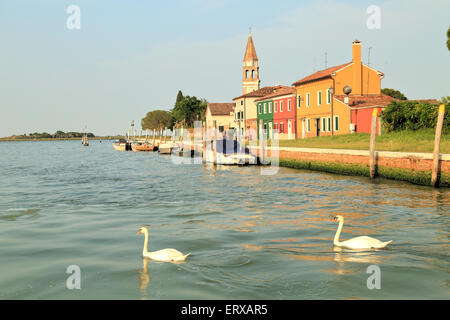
[250,76]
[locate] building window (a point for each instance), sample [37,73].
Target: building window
[329,124]
[281,127]
[221,128]
[324,128]
[242,102]
[308,125]
[319,98]
[308,100]
[336,123]
[253,74]
[289,104]
[299,101]
[265,107]
[328,96]
[270,107]
[259,108]
[246,74]
[275,107]
[281,106]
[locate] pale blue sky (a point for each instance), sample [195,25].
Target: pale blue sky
[131,57]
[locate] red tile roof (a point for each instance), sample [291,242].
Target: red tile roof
[220,109]
[261,92]
[356,101]
[278,92]
[322,74]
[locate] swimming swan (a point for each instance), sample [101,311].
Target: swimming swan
[165,255]
[363,242]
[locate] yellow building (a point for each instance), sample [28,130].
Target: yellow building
[219,115]
[319,112]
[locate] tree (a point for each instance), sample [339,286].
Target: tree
[448,38]
[156,119]
[394,93]
[179,96]
[189,109]
[445,100]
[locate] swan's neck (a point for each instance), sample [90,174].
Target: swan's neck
[144,250]
[338,233]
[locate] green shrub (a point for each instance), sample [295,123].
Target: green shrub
[413,115]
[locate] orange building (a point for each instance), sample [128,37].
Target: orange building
[320,112]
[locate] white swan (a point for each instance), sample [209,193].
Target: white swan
[362,242]
[165,255]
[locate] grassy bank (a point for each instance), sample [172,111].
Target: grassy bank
[416,177]
[403,141]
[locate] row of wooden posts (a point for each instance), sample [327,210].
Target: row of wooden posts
[437,141]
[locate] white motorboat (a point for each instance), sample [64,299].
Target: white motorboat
[229,152]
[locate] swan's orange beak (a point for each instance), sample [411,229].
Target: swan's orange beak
[139,232]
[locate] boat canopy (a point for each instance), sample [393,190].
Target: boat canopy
[228,146]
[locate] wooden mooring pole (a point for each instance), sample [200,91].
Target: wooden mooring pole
[437,142]
[373,133]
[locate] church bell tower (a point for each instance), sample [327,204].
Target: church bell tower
[250,76]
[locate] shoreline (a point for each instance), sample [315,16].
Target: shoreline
[409,167]
[421,177]
[56,139]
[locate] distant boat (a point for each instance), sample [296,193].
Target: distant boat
[84,139]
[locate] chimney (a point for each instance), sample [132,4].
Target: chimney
[357,68]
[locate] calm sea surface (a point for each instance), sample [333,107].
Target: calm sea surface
[251,236]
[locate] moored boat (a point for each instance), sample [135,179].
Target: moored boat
[142,147]
[120,145]
[168,147]
[230,152]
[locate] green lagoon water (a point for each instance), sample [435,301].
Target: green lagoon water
[251,236]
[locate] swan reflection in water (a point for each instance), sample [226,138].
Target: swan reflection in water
[344,256]
[144,276]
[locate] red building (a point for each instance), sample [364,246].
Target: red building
[361,110]
[284,112]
